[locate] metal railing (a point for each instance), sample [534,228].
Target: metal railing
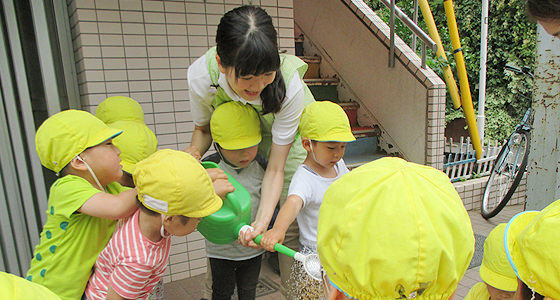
[412,25]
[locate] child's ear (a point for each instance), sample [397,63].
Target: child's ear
[77,164]
[305,142]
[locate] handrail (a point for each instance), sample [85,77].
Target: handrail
[412,26]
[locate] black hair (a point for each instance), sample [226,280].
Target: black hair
[544,9]
[527,293]
[184,220]
[247,41]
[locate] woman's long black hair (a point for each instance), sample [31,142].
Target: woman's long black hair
[247,40]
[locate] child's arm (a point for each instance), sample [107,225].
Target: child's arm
[112,295]
[286,216]
[109,206]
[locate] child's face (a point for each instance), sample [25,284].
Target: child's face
[105,162]
[175,226]
[240,158]
[327,154]
[496,294]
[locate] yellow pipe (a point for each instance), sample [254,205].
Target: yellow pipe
[466,98]
[447,73]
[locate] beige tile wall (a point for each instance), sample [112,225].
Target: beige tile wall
[142,49]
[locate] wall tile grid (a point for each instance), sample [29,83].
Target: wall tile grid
[142,49]
[471,192]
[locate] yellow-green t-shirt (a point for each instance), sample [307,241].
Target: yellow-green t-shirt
[478,292]
[70,241]
[16,288]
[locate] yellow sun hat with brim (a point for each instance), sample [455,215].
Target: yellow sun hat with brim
[173,182]
[119,108]
[68,133]
[533,240]
[235,126]
[135,143]
[325,121]
[495,269]
[15,287]
[392,229]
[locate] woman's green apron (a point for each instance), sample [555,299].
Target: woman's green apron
[288,66]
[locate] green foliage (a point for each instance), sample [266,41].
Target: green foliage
[511,40]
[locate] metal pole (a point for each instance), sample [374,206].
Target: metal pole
[480,119]
[415,19]
[392,36]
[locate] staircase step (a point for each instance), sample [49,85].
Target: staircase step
[361,151]
[365,131]
[313,63]
[322,81]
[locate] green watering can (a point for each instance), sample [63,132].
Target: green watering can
[225,225]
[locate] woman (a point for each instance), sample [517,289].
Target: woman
[247,67]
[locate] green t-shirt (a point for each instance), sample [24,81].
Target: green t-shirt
[70,241]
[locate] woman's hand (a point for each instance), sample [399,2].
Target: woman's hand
[200,141]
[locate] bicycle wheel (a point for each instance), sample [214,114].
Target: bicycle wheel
[508,169]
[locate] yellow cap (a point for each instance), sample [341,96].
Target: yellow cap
[119,108]
[136,143]
[533,241]
[68,133]
[15,287]
[325,121]
[391,229]
[235,126]
[173,182]
[495,269]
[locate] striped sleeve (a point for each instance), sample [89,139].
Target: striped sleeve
[130,281]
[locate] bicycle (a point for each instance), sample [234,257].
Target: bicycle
[510,164]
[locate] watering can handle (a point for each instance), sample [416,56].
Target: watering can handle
[278,247]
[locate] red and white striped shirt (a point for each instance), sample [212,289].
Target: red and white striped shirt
[131,264]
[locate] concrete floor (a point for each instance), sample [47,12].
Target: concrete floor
[192,288]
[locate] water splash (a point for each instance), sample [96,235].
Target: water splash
[303,286]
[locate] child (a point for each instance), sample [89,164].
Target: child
[325,130]
[531,242]
[391,229]
[236,133]
[137,140]
[83,203]
[500,282]
[174,193]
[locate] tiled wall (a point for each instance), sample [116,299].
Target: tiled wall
[471,192]
[142,49]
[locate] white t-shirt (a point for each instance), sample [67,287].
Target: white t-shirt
[311,187]
[201,95]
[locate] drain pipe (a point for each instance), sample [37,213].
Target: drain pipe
[480,119]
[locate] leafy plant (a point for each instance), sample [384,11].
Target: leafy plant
[511,40]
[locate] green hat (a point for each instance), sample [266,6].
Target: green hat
[235,126]
[392,229]
[68,133]
[495,269]
[173,182]
[325,121]
[135,143]
[119,108]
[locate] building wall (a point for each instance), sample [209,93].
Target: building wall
[142,49]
